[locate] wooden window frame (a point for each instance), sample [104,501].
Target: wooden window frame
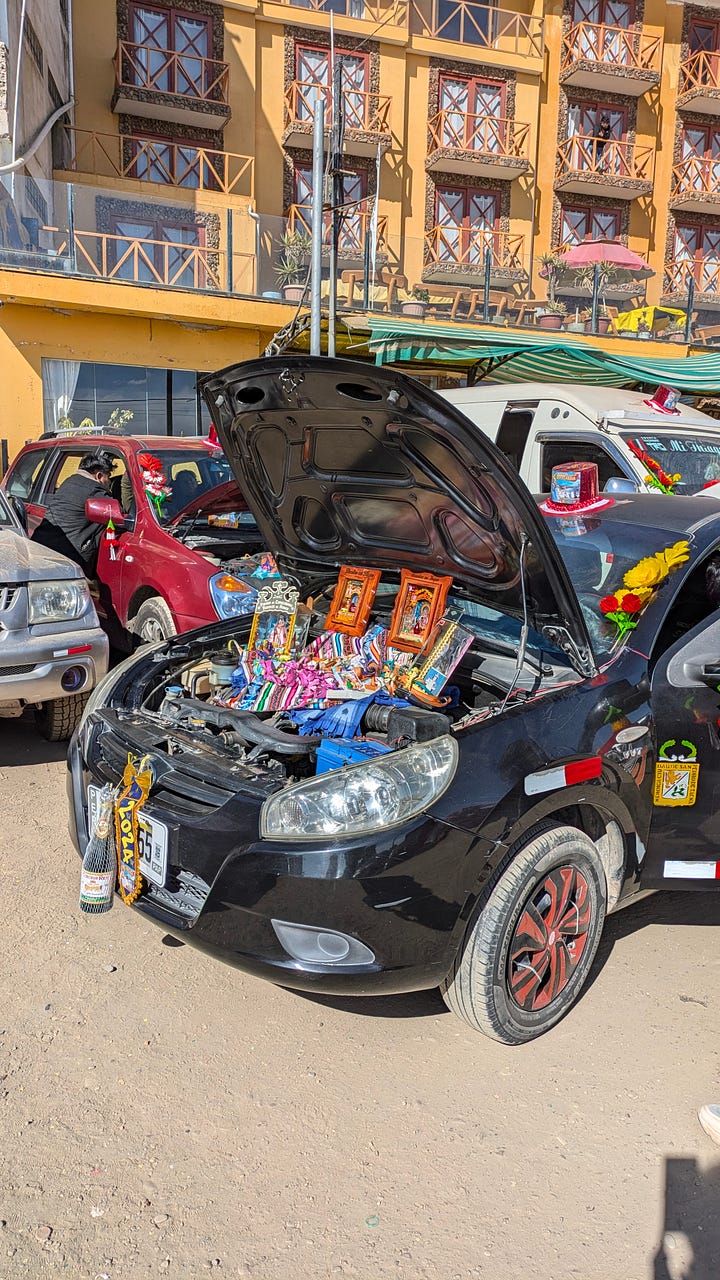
[173,13]
[468,192]
[590,212]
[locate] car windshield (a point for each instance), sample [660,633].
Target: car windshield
[597,554]
[189,473]
[695,458]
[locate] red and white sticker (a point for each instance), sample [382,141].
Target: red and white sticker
[68,653]
[564,775]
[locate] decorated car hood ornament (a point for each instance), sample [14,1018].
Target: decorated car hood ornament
[136,783]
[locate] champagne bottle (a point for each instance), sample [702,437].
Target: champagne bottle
[97,879]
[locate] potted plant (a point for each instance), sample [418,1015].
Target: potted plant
[551,265]
[675,331]
[585,278]
[291,269]
[551,317]
[643,331]
[416,302]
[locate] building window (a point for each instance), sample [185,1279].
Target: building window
[163,401]
[354,225]
[160,33]
[580,224]
[602,26]
[32,41]
[697,254]
[312,70]
[176,162]
[36,199]
[466,223]
[473,111]
[597,132]
[158,251]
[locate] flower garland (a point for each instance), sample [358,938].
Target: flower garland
[623,607]
[155,481]
[656,477]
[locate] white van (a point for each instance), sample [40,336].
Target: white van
[541,425]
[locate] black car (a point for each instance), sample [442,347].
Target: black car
[482,852]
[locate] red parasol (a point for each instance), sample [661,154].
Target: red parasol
[592,251]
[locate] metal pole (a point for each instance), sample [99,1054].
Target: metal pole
[229,273]
[486,297]
[690,305]
[595,292]
[317,224]
[337,198]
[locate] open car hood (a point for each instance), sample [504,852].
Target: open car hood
[213,502]
[343,463]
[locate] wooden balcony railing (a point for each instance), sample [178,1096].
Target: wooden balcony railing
[145,261]
[696,175]
[488,135]
[395,11]
[704,271]
[368,112]
[701,70]
[185,75]
[463,246]
[605,158]
[612,46]
[148,160]
[481,25]
[355,228]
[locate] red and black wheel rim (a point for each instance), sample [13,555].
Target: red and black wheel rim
[549,939]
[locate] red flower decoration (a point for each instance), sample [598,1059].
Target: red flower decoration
[148,462]
[609,604]
[631,603]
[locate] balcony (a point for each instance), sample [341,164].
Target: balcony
[473,26]
[592,166]
[111,155]
[158,84]
[706,274]
[696,185]
[392,12]
[458,255]
[356,230]
[488,146]
[367,118]
[611,59]
[699,88]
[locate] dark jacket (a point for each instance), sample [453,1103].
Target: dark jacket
[66,528]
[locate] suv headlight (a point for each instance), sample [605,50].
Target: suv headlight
[60,601]
[362,798]
[231,597]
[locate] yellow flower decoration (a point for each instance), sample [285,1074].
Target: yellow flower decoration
[675,555]
[651,571]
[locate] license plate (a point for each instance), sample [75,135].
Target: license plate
[152,840]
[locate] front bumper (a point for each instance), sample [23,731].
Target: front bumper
[32,667]
[400,895]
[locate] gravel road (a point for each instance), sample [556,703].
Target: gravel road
[161,1113]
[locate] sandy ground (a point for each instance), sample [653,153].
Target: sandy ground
[161,1113]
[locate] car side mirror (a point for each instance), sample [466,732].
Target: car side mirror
[621,484]
[103,510]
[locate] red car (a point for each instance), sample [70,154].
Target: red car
[178,559]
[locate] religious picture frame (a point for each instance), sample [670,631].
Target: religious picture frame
[419,603]
[274,619]
[352,601]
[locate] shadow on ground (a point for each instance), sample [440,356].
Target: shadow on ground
[689,1247]
[21,743]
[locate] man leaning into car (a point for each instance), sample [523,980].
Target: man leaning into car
[65,526]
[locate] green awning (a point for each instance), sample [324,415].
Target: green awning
[547,357]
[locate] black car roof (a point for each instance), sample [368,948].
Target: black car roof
[679,516]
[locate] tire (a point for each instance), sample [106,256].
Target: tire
[153,621]
[58,719]
[524,961]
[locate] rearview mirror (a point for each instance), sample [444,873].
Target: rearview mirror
[103,510]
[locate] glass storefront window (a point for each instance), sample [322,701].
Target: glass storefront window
[163,401]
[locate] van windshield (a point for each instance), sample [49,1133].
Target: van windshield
[695,458]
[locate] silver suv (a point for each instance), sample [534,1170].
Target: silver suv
[52,650]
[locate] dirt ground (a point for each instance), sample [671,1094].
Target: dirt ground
[161,1113]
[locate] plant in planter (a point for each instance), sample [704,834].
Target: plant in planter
[552,266]
[643,331]
[607,275]
[291,269]
[674,332]
[552,315]
[416,302]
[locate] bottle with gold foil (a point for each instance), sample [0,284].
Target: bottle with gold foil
[97,878]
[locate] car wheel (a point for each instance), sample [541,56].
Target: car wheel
[528,952]
[58,719]
[154,621]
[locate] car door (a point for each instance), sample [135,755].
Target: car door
[109,564]
[684,842]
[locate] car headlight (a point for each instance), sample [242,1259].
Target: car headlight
[362,798]
[231,597]
[60,601]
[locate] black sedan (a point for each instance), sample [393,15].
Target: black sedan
[481,846]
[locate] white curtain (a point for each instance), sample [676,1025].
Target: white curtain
[59,380]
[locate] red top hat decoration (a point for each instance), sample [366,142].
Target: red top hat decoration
[574,489]
[665,400]
[212,441]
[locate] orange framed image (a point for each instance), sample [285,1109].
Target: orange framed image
[418,605]
[353,601]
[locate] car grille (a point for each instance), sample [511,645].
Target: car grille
[17,671]
[7,596]
[182,796]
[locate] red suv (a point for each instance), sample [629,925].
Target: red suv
[174,563]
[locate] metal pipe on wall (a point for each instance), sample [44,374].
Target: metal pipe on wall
[317,224]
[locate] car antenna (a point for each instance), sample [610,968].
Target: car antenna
[525,627]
